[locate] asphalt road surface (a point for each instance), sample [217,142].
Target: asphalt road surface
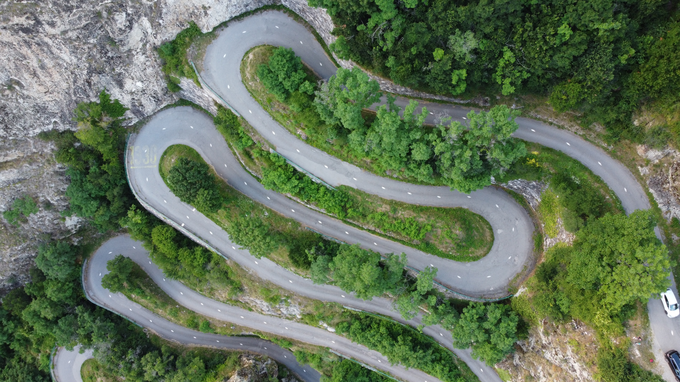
[96,269]
[67,364]
[484,278]
[221,72]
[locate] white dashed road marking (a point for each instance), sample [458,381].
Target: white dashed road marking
[533,131]
[568,144]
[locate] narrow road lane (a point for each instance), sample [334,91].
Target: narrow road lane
[67,364]
[96,269]
[221,72]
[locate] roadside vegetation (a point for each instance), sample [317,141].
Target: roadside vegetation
[615,263]
[453,233]
[605,59]
[574,195]
[21,209]
[52,310]
[363,272]
[331,117]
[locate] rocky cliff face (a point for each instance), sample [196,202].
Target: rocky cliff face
[57,53]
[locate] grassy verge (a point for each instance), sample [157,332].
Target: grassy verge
[141,289]
[144,291]
[92,371]
[452,233]
[295,122]
[542,163]
[288,234]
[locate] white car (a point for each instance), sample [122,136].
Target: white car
[670,303]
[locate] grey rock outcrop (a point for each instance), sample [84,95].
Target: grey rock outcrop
[59,53]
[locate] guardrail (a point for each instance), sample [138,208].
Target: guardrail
[52,354]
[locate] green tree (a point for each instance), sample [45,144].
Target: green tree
[58,260]
[347,370]
[360,271]
[491,331]
[342,99]
[187,177]
[468,156]
[120,270]
[620,258]
[283,74]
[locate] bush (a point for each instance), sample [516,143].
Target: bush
[120,269]
[174,54]
[402,344]
[283,74]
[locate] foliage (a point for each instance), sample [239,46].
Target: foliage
[361,271]
[21,208]
[341,99]
[283,74]
[549,209]
[615,262]
[468,156]
[174,55]
[602,57]
[620,258]
[613,366]
[119,272]
[401,344]
[491,331]
[49,311]
[284,178]
[57,260]
[347,370]
[93,155]
[581,200]
[193,183]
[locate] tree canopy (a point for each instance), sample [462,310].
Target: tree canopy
[603,56]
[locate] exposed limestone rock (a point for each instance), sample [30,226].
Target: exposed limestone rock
[256,368]
[554,353]
[58,53]
[27,167]
[281,310]
[531,190]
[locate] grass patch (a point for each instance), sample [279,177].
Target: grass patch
[542,163]
[503,375]
[311,130]
[452,233]
[287,233]
[550,212]
[456,233]
[141,289]
[93,371]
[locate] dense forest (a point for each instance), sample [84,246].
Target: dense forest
[52,309]
[603,57]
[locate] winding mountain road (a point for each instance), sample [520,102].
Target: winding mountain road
[95,270]
[67,364]
[484,278]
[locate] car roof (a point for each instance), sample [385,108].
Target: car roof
[671,296]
